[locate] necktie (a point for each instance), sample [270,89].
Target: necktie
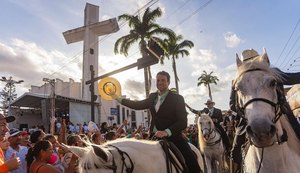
[157,104]
[210,112]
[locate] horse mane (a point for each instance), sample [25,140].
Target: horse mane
[258,65]
[202,143]
[132,143]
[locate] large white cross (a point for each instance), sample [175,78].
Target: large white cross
[89,34]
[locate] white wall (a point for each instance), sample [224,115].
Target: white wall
[80,113]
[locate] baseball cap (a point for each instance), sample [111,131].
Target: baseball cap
[8,119]
[23,133]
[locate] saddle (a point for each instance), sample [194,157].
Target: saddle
[173,157]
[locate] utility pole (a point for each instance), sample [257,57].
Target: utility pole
[52,96]
[10,83]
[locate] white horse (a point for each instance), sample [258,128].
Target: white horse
[211,144]
[267,128]
[125,156]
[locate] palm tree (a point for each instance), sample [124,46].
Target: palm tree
[206,80]
[142,30]
[173,49]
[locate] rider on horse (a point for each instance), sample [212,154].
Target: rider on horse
[216,116]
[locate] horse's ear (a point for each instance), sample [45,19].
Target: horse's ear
[238,61]
[264,57]
[77,150]
[100,152]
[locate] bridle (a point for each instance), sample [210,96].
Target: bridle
[129,169]
[242,108]
[277,106]
[277,109]
[113,166]
[211,131]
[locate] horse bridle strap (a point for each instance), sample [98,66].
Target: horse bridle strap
[278,112]
[122,153]
[275,105]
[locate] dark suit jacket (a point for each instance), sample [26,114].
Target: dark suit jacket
[227,120]
[171,113]
[216,116]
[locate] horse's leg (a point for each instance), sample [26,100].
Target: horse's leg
[208,164]
[220,167]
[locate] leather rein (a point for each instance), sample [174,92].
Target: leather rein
[113,167]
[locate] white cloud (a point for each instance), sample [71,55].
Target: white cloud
[232,40]
[204,56]
[29,62]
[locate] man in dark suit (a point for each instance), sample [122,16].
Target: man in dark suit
[229,125]
[214,113]
[168,117]
[229,121]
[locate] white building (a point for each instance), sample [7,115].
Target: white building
[34,108]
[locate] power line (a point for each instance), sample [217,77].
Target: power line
[176,10]
[288,41]
[194,12]
[289,53]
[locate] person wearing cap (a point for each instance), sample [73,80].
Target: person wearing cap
[217,117]
[25,139]
[15,148]
[13,162]
[168,117]
[250,55]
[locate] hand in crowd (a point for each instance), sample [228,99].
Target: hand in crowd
[74,158]
[125,122]
[13,163]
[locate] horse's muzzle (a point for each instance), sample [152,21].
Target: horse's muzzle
[261,132]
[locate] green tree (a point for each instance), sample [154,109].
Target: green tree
[141,31]
[7,95]
[207,79]
[175,47]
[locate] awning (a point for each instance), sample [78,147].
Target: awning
[30,100]
[33,100]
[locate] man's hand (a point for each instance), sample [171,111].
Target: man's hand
[13,163]
[125,122]
[161,134]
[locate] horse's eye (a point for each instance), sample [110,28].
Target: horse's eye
[273,83]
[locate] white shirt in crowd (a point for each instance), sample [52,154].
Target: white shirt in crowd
[21,154]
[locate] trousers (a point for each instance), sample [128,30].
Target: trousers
[187,153]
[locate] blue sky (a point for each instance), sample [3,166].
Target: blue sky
[32,45]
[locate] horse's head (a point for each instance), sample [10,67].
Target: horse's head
[94,158]
[206,125]
[257,97]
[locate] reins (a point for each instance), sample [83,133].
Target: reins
[129,168]
[214,142]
